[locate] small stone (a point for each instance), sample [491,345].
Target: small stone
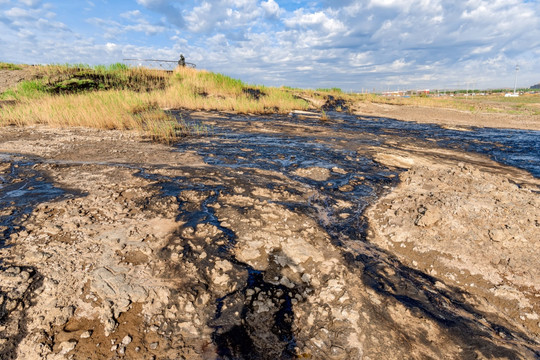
[126,340]
[110,325]
[114,347]
[153,346]
[86,334]
[429,217]
[496,235]
[67,346]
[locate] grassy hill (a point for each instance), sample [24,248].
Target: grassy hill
[118,97]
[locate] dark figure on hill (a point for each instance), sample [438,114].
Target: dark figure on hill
[182,61]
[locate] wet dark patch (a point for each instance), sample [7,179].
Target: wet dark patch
[256,335]
[241,330]
[21,189]
[474,330]
[335,104]
[253,93]
[519,148]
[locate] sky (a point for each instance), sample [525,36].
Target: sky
[356,45]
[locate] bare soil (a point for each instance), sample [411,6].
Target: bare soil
[10,78]
[114,247]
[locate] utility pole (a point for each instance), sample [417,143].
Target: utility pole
[515,80]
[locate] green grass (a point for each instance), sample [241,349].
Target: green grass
[77,78]
[330,90]
[30,89]
[9,66]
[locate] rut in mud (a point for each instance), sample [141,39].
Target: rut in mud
[251,243]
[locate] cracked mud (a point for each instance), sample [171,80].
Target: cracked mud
[276,237]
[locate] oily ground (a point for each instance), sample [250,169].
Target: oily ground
[103,258]
[114,247]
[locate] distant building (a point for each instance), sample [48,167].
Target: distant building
[537,86]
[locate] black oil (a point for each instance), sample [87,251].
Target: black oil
[254,158]
[21,189]
[356,178]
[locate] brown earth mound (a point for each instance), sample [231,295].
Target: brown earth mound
[10,78]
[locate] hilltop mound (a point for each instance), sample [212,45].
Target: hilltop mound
[10,78]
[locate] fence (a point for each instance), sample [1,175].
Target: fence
[167,65]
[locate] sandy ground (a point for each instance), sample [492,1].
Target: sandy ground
[118,248]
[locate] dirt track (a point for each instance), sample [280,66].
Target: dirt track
[251,243]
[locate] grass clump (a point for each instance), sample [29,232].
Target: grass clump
[31,89]
[67,79]
[334,90]
[9,66]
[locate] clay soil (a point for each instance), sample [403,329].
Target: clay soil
[114,247]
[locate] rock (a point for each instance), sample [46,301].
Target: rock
[314,173]
[86,334]
[339,170]
[126,340]
[429,217]
[109,326]
[67,346]
[497,235]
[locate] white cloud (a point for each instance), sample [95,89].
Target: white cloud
[31,3]
[131,14]
[318,21]
[223,16]
[113,29]
[346,43]
[18,13]
[482,49]
[271,8]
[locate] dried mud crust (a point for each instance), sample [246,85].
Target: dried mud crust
[469,225]
[149,253]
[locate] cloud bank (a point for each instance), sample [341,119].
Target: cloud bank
[355,45]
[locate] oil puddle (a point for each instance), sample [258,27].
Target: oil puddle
[21,189]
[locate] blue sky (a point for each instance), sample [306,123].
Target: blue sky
[351,44]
